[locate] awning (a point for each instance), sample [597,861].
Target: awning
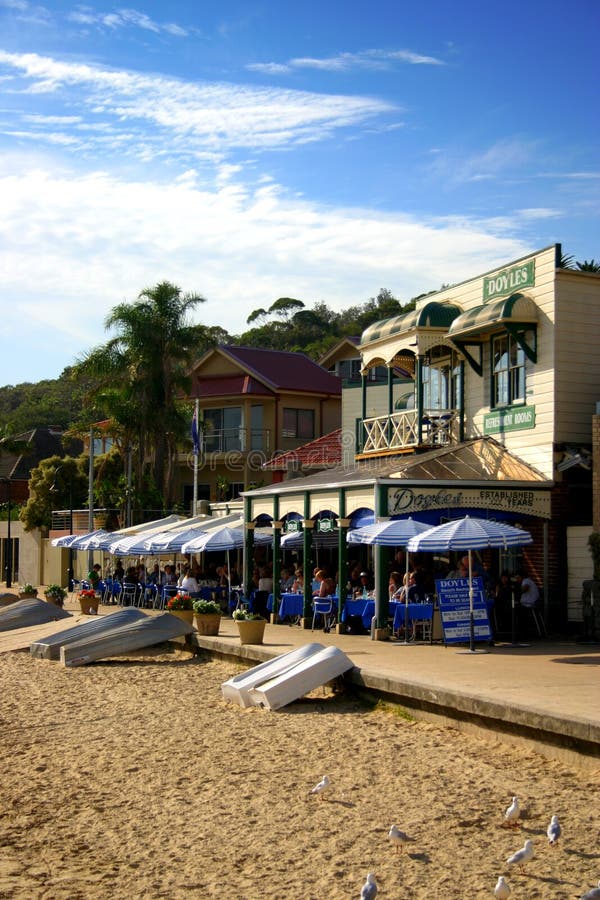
[432,315]
[514,314]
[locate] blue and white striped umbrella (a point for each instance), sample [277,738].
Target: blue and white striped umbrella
[67,540]
[91,540]
[394,533]
[469,534]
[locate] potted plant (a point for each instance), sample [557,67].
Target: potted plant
[207,616]
[56,594]
[89,601]
[251,626]
[27,590]
[182,606]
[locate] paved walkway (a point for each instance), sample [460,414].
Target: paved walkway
[547,693]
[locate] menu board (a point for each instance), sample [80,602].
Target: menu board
[453,599]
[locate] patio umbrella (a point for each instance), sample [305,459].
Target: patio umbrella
[469,534]
[89,541]
[394,533]
[223,540]
[67,539]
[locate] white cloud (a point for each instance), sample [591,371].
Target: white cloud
[124,18]
[72,246]
[342,62]
[188,118]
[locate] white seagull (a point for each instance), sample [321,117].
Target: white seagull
[511,816]
[397,838]
[369,888]
[521,856]
[594,894]
[502,890]
[321,787]
[553,831]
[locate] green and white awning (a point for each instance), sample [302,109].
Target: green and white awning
[432,315]
[516,309]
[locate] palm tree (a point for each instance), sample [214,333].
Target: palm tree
[142,370]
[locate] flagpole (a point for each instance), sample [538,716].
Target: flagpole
[196,455]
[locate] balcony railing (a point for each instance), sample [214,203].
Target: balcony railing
[399,431]
[239,439]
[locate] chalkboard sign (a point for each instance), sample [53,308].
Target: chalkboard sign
[453,598]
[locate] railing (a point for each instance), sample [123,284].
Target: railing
[399,431]
[244,440]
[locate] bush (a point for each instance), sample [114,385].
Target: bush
[207,608]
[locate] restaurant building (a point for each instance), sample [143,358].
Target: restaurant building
[492,385]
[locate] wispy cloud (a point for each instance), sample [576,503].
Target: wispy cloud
[494,161]
[197,118]
[124,18]
[343,62]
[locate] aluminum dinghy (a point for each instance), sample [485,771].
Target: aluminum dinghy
[145,632]
[238,688]
[305,676]
[31,611]
[49,646]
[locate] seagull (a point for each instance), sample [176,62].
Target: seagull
[369,888]
[553,831]
[397,837]
[511,816]
[502,889]
[321,787]
[594,894]
[521,856]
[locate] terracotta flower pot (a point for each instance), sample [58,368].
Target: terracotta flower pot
[251,630]
[186,614]
[207,623]
[89,603]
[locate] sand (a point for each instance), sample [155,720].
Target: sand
[134,778]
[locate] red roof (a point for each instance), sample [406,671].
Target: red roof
[224,385]
[322,453]
[285,371]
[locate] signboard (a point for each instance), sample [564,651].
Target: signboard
[291,525]
[509,280]
[518,418]
[453,599]
[410,500]
[325,525]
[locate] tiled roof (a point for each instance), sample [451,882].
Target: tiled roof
[226,385]
[38,444]
[285,371]
[322,453]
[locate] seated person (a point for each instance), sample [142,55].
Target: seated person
[265,582]
[287,581]
[298,585]
[395,586]
[365,586]
[188,583]
[326,584]
[94,576]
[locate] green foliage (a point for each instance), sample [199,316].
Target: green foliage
[244,615]
[588,266]
[57,402]
[57,483]
[207,608]
[55,593]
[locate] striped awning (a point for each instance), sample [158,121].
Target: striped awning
[518,309]
[431,315]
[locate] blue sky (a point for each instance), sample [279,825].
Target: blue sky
[252,150]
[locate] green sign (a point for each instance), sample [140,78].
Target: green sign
[292,525]
[325,525]
[509,280]
[517,419]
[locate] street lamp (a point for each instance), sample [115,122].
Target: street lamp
[8,567]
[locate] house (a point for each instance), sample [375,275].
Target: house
[253,404]
[502,376]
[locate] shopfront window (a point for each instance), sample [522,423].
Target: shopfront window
[508,379]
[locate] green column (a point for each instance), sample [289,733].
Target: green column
[381,555]
[276,557]
[248,545]
[419,375]
[342,551]
[307,561]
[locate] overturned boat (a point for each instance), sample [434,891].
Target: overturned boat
[120,641]
[31,611]
[49,646]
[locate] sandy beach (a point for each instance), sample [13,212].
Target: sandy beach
[134,778]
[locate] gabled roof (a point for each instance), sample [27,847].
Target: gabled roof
[282,371]
[339,350]
[322,453]
[38,444]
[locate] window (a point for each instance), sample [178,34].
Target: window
[298,423]
[441,380]
[257,434]
[508,376]
[223,429]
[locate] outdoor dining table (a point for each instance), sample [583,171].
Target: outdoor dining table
[417,612]
[290,605]
[365,609]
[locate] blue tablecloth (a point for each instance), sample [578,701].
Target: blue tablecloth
[416,613]
[291,605]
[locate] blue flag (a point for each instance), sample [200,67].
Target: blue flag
[195,439]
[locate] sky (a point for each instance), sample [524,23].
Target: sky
[249,150]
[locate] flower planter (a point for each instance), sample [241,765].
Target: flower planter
[251,631]
[89,603]
[186,614]
[27,595]
[207,623]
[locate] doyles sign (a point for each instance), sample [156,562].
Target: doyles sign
[455,610]
[410,500]
[520,418]
[514,279]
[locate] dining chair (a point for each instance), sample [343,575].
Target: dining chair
[323,608]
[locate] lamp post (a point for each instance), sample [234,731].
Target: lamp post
[8,567]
